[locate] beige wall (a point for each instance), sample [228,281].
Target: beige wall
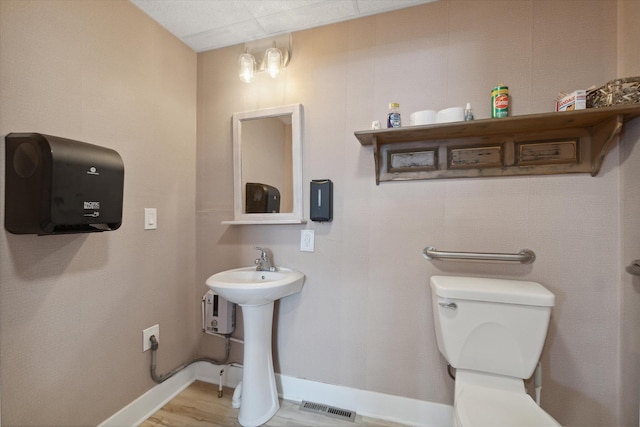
[629,65]
[72,307]
[364,317]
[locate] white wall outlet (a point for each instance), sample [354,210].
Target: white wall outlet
[150,218]
[146,334]
[307,240]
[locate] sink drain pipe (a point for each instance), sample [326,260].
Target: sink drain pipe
[161,378]
[237,393]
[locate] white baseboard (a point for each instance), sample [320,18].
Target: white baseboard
[388,407]
[144,406]
[371,404]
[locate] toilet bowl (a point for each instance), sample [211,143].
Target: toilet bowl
[483,406]
[492,331]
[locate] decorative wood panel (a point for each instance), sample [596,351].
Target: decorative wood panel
[536,144]
[547,152]
[408,159]
[475,157]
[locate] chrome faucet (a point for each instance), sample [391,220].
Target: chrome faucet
[264,263]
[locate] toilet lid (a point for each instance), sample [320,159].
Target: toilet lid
[482,406]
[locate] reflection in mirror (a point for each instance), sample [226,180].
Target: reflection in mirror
[267,156]
[261,198]
[266,161]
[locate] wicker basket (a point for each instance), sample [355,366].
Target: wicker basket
[614,92]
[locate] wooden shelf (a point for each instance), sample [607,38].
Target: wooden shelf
[536,144]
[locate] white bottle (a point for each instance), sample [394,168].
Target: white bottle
[468,112]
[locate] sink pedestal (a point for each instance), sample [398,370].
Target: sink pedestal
[255,291]
[259,399]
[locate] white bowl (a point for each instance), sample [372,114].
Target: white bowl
[424,117]
[453,114]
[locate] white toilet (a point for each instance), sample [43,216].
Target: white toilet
[492,331]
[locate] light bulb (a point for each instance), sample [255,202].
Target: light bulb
[274,61]
[247,67]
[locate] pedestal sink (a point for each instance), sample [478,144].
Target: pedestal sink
[256,291]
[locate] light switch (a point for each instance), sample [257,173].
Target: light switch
[150,218]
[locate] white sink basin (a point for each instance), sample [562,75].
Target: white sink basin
[256,292]
[246,286]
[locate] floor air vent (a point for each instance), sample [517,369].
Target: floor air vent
[329,411]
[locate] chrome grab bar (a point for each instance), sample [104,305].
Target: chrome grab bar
[525,256]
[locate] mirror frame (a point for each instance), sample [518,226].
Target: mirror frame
[296,216]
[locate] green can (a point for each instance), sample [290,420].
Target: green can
[500,101]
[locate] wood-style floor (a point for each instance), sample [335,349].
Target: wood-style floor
[199,405]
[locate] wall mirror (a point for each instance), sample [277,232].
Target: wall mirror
[267,166]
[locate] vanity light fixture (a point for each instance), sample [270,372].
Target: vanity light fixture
[265,55]
[273,58]
[247,67]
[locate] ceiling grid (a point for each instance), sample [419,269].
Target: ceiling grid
[212,24]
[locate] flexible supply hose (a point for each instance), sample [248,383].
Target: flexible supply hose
[450,371]
[161,378]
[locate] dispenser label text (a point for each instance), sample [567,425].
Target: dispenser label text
[92,205]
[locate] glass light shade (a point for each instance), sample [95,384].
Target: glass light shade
[273,58]
[247,67]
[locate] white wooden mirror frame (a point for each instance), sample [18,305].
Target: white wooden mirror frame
[296,216]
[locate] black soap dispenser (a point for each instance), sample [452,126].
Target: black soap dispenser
[321,202]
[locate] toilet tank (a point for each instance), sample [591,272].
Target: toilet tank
[491,325]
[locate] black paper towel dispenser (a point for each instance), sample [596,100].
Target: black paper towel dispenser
[262,198]
[58,186]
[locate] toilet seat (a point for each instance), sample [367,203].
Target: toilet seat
[478,406]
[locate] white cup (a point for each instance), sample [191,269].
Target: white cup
[453,114]
[424,117]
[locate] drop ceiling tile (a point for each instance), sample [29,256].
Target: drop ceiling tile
[184,18]
[225,36]
[368,7]
[271,7]
[211,24]
[322,13]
